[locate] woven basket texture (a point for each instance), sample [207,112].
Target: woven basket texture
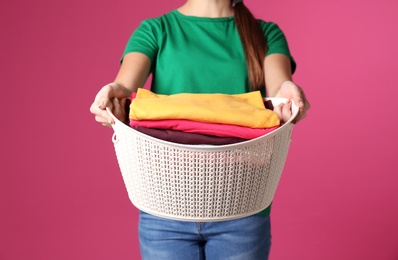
[201,182]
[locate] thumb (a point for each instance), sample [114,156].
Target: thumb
[298,101]
[102,105]
[298,97]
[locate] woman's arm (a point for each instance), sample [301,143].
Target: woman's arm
[132,75]
[277,69]
[133,72]
[278,81]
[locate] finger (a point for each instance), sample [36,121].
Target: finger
[102,121]
[278,111]
[298,101]
[116,106]
[123,102]
[98,109]
[107,125]
[298,96]
[287,111]
[303,110]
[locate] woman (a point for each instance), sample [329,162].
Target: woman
[204,46]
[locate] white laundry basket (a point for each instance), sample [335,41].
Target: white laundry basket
[201,182]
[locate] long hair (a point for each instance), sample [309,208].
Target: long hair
[254,44]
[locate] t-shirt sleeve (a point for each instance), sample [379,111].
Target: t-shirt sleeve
[144,40]
[276,41]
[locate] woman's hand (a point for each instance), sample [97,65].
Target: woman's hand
[284,111]
[292,92]
[113,97]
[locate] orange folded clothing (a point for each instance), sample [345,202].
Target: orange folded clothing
[246,109]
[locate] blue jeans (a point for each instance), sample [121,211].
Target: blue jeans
[247,238]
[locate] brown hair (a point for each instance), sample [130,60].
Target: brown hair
[254,44]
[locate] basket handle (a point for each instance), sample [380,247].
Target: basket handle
[115,126]
[111,115]
[115,140]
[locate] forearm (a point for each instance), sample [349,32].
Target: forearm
[278,80]
[132,75]
[277,69]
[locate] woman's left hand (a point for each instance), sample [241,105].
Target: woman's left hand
[292,92]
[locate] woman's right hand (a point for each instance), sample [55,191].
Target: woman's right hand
[132,75]
[109,97]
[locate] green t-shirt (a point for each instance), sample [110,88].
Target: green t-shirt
[199,55]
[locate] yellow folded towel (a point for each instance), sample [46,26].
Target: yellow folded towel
[241,109]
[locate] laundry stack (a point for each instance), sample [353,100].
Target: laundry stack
[201,119]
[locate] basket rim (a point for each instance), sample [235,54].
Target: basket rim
[197,219]
[118,126]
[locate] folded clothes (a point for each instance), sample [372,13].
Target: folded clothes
[187,138]
[241,109]
[221,130]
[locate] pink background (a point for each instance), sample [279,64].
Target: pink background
[61,193]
